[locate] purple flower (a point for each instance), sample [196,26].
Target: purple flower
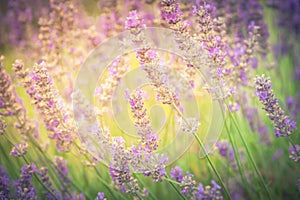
[277,154]
[133,21]
[24,188]
[283,126]
[176,173]
[4,184]
[100,196]
[295,153]
[19,149]
[171,11]
[208,192]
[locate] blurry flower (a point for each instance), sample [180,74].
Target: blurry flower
[100,196]
[4,184]
[2,126]
[44,177]
[133,21]
[297,73]
[60,166]
[19,149]
[234,107]
[154,166]
[295,153]
[40,88]
[283,126]
[187,184]
[186,181]
[177,174]
[293,105]
[10,104]
[124,179]
[190,125]
[24,187]
[226,151]
[149,138]
[209,192]
[277,154]
[171,12]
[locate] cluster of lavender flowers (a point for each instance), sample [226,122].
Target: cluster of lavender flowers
[283,125]
[44,96]
[229,57]
[189,189]
[25,189]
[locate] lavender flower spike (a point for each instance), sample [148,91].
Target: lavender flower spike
[4,184]
[283,125]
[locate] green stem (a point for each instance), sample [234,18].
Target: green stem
[170,180]
[205,152]
[251,158]
[99,177]
[236,156]
[175,188]
[212,166]
[142,182]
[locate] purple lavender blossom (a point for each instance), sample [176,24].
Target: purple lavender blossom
[133,21]
[4,184]
[208,192]
[277,154]
[19,149]
[295,153]
[100,196]
[172,15]
[283,126]
[24,187]
[177,174]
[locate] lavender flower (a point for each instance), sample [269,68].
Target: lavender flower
[277,154]
[149,138]
[186,181]
[295,153]
[283,126]
[24,187]
[4,184]
[61,169]
[148,60]
[208,192]
[45,179]
[187,184]
[40,87]
[177,174]
[10,104]
[19,149]
[119,167]
[100,196]
[123,178]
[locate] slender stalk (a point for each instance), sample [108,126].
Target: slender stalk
[205,152]
[142,182]
[293,144]
[99,177]
[175,188]
[251,157]
[236,156]
[212,165]
[170,180]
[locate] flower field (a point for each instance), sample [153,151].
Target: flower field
[149,99]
